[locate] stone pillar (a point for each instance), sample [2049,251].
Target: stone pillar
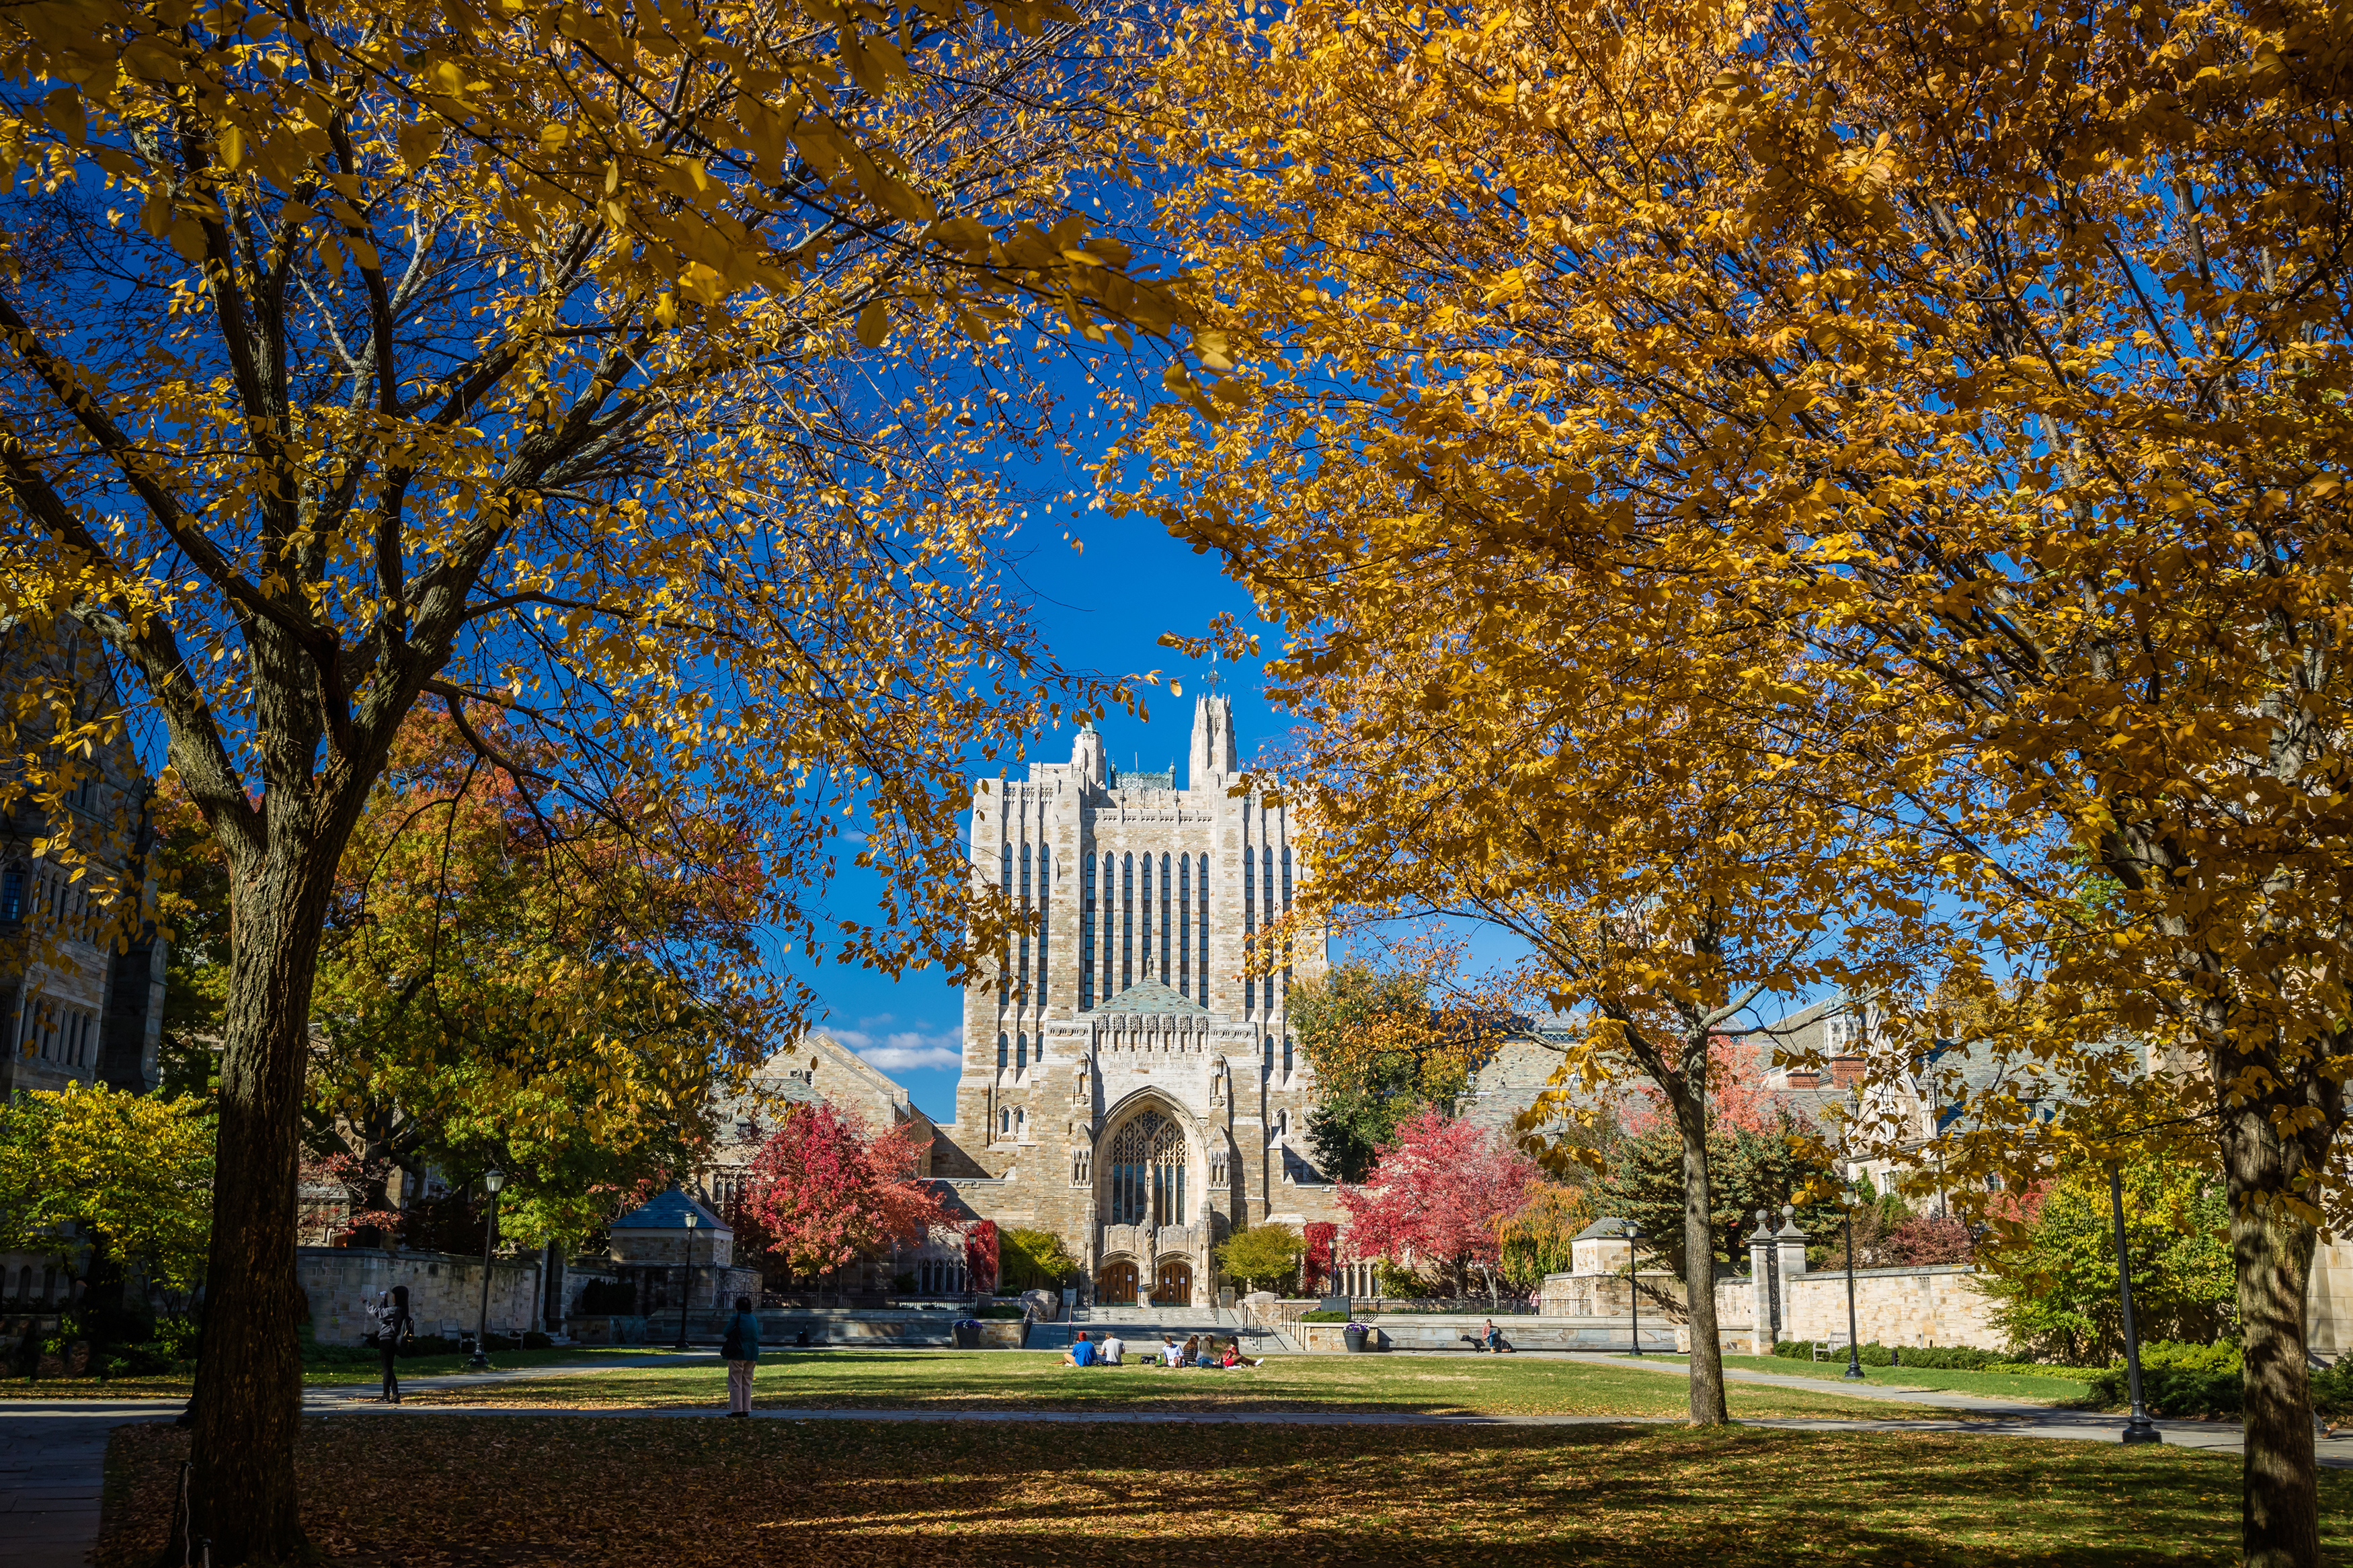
[1764,1300]
[1789,1244]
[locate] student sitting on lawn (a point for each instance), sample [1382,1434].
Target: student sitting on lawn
[1191,1354]
[1114,1348]
[1081,1352]
[1492,1339]
[1168,1351]
[1234,1356]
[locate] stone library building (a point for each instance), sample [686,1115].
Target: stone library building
[1125,1084]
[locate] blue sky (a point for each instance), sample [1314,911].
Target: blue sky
[1101,609]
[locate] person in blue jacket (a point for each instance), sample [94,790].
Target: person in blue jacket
[742,1350]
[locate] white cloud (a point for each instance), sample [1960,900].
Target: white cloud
[900,1050]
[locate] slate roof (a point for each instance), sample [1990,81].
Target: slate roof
[668,1212]
[1605,1229]
[1151,996]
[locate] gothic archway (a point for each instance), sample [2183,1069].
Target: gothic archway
[1145,1174]
[1174,1285]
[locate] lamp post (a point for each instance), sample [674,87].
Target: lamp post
[1853,1373]
[492,1180]
[686,1271]
[2138,1429]
[1634,1282]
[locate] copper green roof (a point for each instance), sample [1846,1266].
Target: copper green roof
[1151,996]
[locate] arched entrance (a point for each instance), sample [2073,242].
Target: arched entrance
[1115,1285]
[1173,1286]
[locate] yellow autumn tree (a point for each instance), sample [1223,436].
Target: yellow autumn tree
[1998,358]
[622,370]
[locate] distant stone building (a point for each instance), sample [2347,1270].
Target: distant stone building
[1125,1084]
[72,1007]
[815,1068]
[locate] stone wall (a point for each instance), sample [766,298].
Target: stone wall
[1925,1305]
[444,1291]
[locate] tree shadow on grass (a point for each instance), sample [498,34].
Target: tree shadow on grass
[524,1492]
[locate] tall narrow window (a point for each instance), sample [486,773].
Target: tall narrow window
[1109,927]
[1144,926]
[1126,921]
[1284,1001]
[1023,910]
[1086,932]
[1185,925]
[1020,1055]
[1250,926]
[1165,901]
[1045,918]
[1005,963]
[12,893]
[1203,931]
[1004,1052]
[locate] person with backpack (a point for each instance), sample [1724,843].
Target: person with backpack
[741,1350]
[392,1324]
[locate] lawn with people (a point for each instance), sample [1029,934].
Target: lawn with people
[519,1491]
[1040,1380]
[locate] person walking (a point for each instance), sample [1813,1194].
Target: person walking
[740,1349]
[392,1324]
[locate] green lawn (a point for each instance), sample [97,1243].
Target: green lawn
[1036,1380]
[460,1491]
[2020,1387]
[366,1374]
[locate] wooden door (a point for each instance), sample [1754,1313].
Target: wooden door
[1115,1285]
[1173,1286]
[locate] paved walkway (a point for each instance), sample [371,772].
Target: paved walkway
[52,1452]
[52,1468]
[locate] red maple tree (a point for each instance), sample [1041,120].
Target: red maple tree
[1320,1235]
[824,1192]
[1738,1099]
[980,1256]
[1438,1196]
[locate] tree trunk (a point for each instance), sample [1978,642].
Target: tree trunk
[2272,1253]
[249,1393]
[1706,1361]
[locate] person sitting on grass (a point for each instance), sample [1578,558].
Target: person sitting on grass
[1234,1356]
[1168,1351]
[1492,1339]
[1191,1354]
[1081,1352]
[1113,1348]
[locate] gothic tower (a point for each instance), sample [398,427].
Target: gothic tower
[1125,1083]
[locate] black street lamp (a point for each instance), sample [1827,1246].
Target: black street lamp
[2139,1428]
[492,1180]
[1634,1282]
[1853,1373]
[686,1272]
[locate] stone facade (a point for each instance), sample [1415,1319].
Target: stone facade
[1126,1085]
[72,1009]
